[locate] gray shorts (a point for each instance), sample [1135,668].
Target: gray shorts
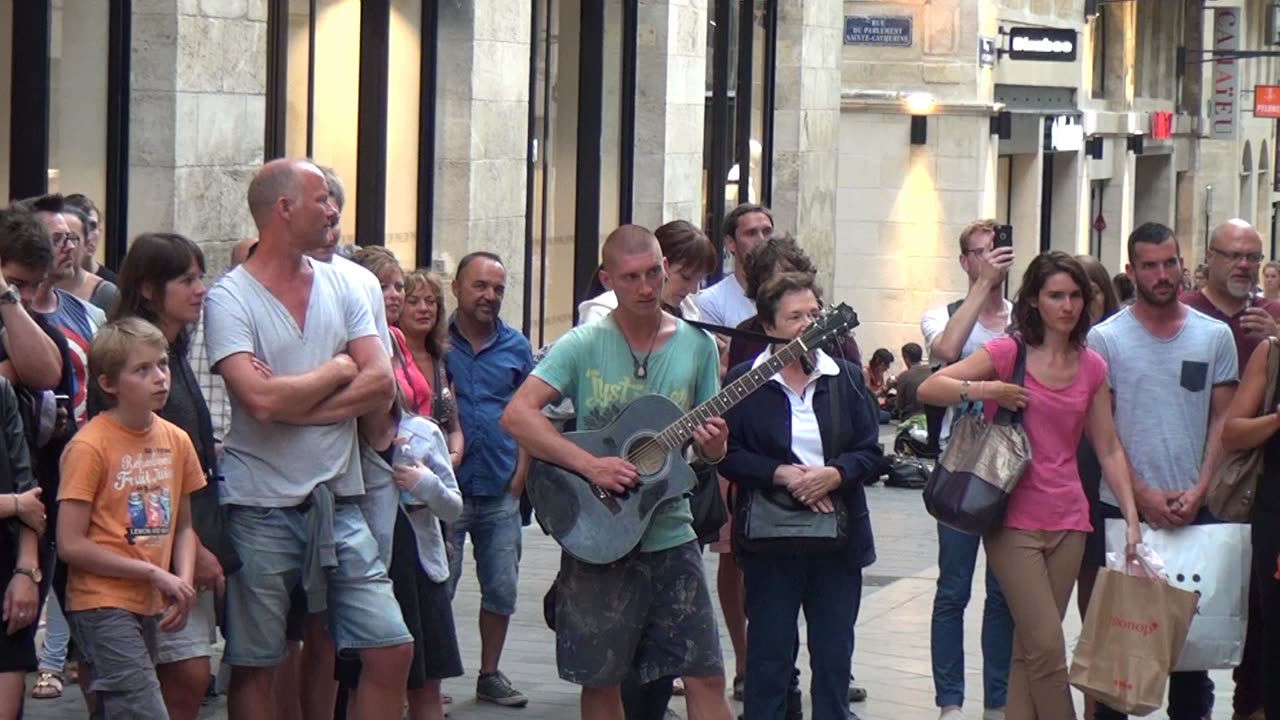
[195,639]
[120,649]
[651,612]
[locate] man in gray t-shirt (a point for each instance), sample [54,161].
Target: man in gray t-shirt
[302,361]
[1173,372]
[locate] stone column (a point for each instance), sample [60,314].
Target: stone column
[806,126]
[196,118]
[671,53]
[483,104]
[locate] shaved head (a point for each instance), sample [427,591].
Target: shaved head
[626,241]
[1234,228]
[277,179]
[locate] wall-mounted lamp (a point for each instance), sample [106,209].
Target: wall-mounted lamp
[1093,147]
[1135,144]
[920,103]
[919,129]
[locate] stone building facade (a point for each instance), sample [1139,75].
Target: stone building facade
[1072,153]
[530,128]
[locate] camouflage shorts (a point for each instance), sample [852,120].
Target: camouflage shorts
[651,611]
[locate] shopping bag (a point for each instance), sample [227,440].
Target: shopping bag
[1134,629]
[1212,561]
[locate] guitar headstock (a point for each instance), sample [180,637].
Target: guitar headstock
[834,322]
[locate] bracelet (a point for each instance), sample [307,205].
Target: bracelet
[964,391]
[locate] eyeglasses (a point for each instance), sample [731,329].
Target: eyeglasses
[978,251]
[1233,257]
[68,239]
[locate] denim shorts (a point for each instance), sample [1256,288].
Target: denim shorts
[362,610]
[195,639]
[494,525]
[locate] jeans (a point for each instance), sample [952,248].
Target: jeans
[830,592]
[57,635]
[1190,693]
[495,529]
[957,558]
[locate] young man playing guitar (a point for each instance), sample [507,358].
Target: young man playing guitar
[652,609]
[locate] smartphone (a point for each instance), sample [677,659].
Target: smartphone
[1004,236]
[63,401]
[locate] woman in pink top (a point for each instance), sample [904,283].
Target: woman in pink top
[1036,554]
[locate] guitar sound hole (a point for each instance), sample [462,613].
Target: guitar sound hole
[647,455]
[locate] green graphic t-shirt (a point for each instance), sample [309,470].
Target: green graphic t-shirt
[592,366]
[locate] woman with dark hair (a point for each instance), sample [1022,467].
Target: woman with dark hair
[880,382]
[1105,302]
[426,335]
[22,522]
[1250,425]
[162,282]
[1036,552]
[808,437]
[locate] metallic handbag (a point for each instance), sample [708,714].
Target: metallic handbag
[971,483]
[1234,486]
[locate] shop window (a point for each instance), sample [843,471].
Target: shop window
[78,98]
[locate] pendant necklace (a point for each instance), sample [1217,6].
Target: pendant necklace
[641,367]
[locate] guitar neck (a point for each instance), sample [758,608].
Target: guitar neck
[679,432]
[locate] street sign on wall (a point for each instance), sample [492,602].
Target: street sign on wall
[1266,101]
[1224,109]
[886,31]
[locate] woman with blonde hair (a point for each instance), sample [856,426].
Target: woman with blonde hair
[425,336]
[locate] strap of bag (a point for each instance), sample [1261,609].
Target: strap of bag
[1019,377]
[1273,368]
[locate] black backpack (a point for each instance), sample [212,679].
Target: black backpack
[907,473]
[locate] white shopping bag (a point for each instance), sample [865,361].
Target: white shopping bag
[1212,561]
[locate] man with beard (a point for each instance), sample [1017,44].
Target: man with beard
[1173,371]
[1235,252]
[489,359]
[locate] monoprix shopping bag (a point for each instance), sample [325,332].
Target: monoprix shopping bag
[1212,561]
[1133,631]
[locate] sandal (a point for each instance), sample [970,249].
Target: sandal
[47,687]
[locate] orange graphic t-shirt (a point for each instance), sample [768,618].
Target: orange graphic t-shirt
[135,482]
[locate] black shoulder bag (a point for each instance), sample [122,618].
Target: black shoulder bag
[772,521]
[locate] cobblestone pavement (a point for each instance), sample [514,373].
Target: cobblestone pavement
[891,661]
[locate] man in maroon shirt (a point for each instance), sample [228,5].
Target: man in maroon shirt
[1235,254]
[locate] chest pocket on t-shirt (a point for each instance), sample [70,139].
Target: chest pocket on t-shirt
[1194,375]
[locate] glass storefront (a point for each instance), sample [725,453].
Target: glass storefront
[6,84]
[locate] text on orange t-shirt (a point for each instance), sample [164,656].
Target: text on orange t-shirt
[135,481]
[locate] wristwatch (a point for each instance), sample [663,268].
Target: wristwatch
[9,296]
[33,573]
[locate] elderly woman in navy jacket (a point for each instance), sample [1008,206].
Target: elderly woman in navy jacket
[808,432]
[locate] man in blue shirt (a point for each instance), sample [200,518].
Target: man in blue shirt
[488,361]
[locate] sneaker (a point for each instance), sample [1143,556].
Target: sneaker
[951,714]
[993,714]
[737,688]
[494,687]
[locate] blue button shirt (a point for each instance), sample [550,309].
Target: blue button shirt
[485,382]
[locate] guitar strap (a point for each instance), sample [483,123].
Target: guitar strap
[738,333]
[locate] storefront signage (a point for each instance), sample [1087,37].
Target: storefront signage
[890,31]
[1266,101]
[986,51]
[1224,110]
[1161,125]
[1065,132]
[1046,44]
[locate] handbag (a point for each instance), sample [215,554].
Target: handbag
[971,483]
[772,521]
[1234,486]
[706,504]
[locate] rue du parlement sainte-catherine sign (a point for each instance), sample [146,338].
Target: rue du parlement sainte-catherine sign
[881,30]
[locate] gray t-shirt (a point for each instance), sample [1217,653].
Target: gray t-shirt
[1163,393]
[277,464]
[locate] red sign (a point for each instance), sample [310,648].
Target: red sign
[1266,101]
[1161,125]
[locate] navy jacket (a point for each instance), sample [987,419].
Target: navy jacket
[760,441]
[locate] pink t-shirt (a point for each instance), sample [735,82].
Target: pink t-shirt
[1050,495]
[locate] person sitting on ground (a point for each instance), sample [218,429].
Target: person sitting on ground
[907,404]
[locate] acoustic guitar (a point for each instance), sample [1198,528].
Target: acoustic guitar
[600,527]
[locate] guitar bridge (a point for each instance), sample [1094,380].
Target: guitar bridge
[606,498]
